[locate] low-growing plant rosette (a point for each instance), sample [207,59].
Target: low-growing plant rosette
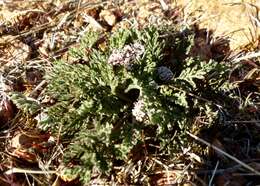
[110,104]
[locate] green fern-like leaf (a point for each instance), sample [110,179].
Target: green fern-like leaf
[106,111]
[26,104]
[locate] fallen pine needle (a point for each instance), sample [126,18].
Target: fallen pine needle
[18,170]
[248,56]
[213,174]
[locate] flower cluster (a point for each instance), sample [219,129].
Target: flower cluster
[127,55]
[138,110]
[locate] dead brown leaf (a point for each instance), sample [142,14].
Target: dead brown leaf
[16,51]
[6,110]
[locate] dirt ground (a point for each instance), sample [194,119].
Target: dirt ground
[238,20]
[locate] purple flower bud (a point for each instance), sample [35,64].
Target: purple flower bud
[165,74]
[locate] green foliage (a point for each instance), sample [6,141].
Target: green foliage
[105,112]
[120,38]
[26,104]
[86,43]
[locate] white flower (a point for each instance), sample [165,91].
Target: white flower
[138,111]
[116,58]
[138,50]
[126,56]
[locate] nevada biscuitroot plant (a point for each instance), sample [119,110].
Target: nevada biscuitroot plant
[129,96]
